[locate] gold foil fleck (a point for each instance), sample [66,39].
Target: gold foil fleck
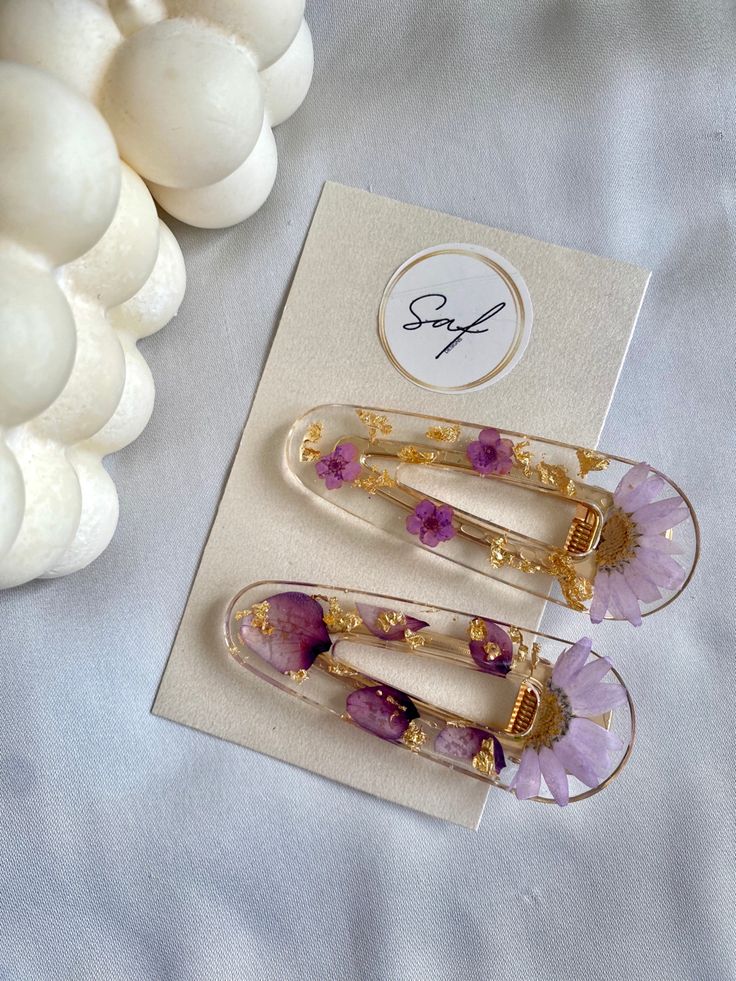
[390,619]
[555,476]
[589,461]
[501,555]
[259,617]
[414,737]
[412,454]
[517,637]
[444,434]
[375,423]
[338,620]
[308,454]
[373,480]
[413,639]
[314,432]
[576,589]
[477,629]
[491,650]
[298,676]
[536,651]
[484,760]
[338,668]
[523,457]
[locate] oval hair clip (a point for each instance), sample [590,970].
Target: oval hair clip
[528,713]
[590,531]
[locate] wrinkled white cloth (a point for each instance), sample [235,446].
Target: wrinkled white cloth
[132,848]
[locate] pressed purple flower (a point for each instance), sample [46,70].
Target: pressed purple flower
[287,630]
[494,652]
[339,467]
[563,739]
[387,624]
[490,453]
[382,710]
[634,556]
[465,742]
[433,524]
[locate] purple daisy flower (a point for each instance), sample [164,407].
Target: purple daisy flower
[491,454]
[433,524]
[339,467]
[634,554]
[564,739]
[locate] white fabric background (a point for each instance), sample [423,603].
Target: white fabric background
[131,848]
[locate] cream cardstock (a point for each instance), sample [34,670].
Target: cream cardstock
[327,349]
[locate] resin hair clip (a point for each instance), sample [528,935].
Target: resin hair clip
[523,711]
[600,533]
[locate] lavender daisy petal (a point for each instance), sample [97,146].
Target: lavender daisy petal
[588,736]
[661,544]
[624,599]
[631,479]
[554,775]
[641,586]
[599,605]
[570,662]
[660,568]
[642,494]
[528,776]
[579,763]
[598,699]
[590,674]
[652,519]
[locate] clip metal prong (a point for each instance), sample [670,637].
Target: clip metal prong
[604,545]
[480,696]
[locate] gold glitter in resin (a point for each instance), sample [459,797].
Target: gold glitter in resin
[375,424]
[557,477]
[589,461]
[414,737]
[413,639]
[523,457]
[390,619]
[338,620]
[444,434]
[412,454]
[484,760]
[477,629]
[373,480]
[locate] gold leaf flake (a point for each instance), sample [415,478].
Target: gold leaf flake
[259,617]
[557,477]
[523,457]
[589,461]
[414,737]
[575,588]
[516,635]
[412,454]
[484,760]
[536,650]
[314,432]
[390,619]
[298,676]
[373,480]
[501,555]
[477,629]
[376,424]
[413,639]
[491,650]
[308,454]
[337,668]
[338,620]
[444,434]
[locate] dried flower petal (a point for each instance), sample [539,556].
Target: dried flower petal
[297,633]
[490,453]
[388,624]
[495,652]
[384,711]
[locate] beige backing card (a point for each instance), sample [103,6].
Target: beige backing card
[268,526]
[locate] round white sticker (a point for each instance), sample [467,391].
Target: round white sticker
[455,317]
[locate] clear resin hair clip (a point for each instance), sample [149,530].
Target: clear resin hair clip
[526,712]
[590,531]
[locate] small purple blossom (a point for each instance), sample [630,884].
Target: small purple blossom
[490,453]
[339,467]
[433,524]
